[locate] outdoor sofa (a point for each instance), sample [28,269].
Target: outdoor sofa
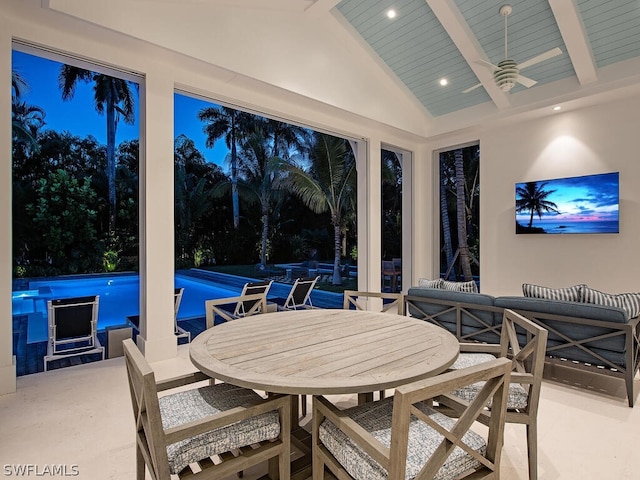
[600,338]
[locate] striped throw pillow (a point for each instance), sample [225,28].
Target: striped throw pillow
[568,294]
[469,287]
[425,282]
[629,302]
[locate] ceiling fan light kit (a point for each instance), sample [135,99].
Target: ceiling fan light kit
[506,74]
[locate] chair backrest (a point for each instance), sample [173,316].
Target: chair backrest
[225,307]
[75,317]
[397,264]
[146,410]
[300,293]
[408,398]
[251,288]
[177,299]
[525,343]
[388,302]
[388,268]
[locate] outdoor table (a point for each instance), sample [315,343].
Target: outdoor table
[323,352]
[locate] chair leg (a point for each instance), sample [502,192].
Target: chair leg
[140,466]
[303,402]
[532,450]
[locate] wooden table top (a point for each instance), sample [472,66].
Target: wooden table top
[323,351]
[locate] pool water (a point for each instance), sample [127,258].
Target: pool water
[119,298]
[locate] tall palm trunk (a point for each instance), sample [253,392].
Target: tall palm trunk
[111,160]
[446,227]
[265,234]
[337,278]
[461,216]
[234,183]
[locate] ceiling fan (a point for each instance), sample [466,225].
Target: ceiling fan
[507,73]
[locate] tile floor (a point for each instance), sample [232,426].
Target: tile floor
[81,416]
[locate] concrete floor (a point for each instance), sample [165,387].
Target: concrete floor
[81,417]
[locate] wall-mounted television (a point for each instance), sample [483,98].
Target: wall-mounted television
[586,204]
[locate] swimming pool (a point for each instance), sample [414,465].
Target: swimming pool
[119,298]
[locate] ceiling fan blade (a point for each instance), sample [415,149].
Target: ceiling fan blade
[540,58]
[487,64]
[472,88]
[527,82]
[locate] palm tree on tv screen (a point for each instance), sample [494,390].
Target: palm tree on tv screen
[112,96]
[532,197]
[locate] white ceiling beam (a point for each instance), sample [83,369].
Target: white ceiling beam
[320,7]
[456,26]
[575,38]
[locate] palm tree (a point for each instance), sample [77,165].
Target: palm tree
[260,171]
[233,126]
[26,120]
[18,85]
[113,96]
[444,221]
[461,212]
[533,198]
[328,185]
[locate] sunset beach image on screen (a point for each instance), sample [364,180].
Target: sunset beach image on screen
[585,204]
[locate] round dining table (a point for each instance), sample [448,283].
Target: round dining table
[323,351]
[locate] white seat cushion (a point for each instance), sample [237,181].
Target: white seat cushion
[376,419]
[183,407]
[518,396]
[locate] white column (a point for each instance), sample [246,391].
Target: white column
[407,221]
[369,215]
[156,339]
[425,215]
[7,360]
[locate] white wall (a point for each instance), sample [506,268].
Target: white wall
[592,140]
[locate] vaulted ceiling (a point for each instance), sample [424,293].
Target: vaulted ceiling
[350,54]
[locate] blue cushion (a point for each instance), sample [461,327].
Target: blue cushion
[573,309]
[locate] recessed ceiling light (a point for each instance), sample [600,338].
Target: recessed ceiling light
[391,13]
[444,82]
[556,108]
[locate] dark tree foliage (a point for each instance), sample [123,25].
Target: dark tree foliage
[391,206]
[471,162]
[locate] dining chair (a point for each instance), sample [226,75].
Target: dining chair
[524,342]
[401,437]
[227,307]
[397,265]
[221,428]
[387,303]
[73,328]
[389,271]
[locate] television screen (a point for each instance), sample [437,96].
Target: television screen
[587,204]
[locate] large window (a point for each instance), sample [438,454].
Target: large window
[260,197]
[391,220]
[459,213]
[75,168]
[75,143]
